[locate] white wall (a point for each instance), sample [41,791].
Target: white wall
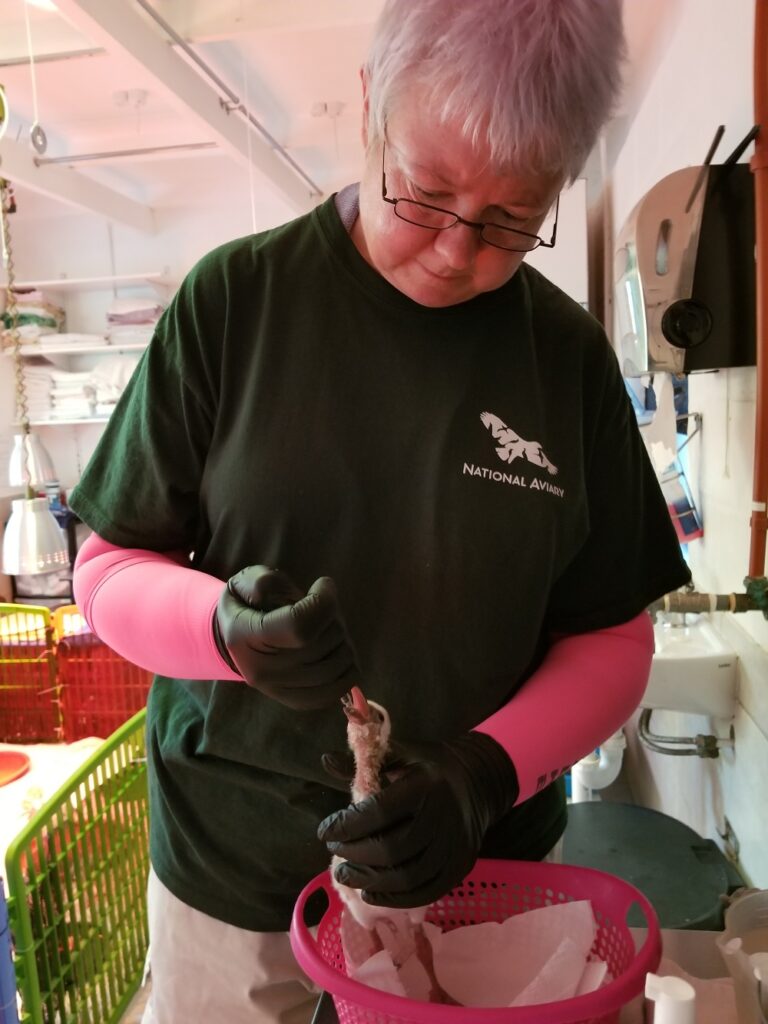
[210,210]
[76,245]
[567,264]
[703,79]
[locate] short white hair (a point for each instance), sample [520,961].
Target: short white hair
[534,80]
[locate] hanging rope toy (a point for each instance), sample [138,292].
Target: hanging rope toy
[3,112]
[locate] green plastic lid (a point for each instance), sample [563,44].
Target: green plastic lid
[683,875]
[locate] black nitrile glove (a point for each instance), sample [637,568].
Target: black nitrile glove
[293,648]
[421,835]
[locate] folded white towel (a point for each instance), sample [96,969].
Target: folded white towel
[118,307]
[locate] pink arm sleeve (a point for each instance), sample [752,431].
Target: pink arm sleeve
[154,609]
[586,688]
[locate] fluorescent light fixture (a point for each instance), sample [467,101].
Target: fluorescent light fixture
[44,5]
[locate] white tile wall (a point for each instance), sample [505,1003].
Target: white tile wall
[703,79]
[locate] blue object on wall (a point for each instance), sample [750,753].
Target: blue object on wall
[8,1011]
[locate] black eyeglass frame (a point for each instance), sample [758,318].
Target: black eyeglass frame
[479,226]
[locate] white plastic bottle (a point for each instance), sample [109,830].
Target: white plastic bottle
[674,999]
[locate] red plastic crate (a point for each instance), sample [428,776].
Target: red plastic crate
[30,710]
[99,689]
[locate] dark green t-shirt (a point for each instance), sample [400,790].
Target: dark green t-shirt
[471,477]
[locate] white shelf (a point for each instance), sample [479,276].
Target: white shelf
[73,350]
[96,345]
[159,279]
[74,422]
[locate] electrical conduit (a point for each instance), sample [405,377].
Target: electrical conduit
[759,168]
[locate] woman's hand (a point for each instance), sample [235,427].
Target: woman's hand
[290,646]
[420,836]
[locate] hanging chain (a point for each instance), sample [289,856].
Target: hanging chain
[13,333]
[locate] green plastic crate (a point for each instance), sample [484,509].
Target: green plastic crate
[76,878]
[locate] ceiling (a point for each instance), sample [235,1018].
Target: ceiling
[148,103]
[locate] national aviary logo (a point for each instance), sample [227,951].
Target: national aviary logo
[511,446]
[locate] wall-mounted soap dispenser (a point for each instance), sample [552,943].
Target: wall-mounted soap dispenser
[684,274]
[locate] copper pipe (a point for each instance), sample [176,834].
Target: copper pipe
[759,167]
[694,602]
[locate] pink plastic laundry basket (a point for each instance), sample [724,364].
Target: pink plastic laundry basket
[494,891]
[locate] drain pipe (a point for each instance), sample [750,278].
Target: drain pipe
[759,167]
[599,769]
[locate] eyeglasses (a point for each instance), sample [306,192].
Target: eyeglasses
[424,215]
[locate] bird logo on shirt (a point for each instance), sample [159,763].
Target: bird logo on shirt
[511,446]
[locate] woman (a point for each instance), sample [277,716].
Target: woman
[433,448]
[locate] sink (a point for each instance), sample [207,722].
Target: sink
[693,670]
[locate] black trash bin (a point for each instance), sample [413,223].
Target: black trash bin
[683,875]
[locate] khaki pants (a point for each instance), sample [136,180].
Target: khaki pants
[555,855]
[206,972]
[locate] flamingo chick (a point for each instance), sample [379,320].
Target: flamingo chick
[400,932]
[368,732]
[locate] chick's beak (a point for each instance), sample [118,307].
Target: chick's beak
[356,707]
